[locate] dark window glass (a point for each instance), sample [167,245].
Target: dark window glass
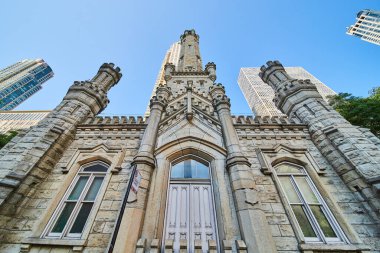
[303,221]
[81,219]
[94,188]
[322,221]
[62,220]
[96,168]
[81,183]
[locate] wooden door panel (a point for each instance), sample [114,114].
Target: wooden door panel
[190,215]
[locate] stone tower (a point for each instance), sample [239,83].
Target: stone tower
[354,156]
[190,57]
[191,177]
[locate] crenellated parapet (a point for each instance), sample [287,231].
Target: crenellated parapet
[263,120]
[114,120]
[191,33]
[108,75]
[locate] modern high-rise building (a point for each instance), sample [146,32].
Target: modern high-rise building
[367,26]
[260,95]
[171,56]
[16,120]
[21,80]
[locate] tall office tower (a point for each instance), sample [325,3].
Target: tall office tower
[171,56]
[21,80]
[367,26]
[16,120]
[259,95]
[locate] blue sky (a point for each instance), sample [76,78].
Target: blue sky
[76,37]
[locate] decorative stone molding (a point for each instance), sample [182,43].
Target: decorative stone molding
[227,247]
[211,69]
[212,246]
[280,152]
[168,69]
[241,247]
[182,246]
[322,248]
[218,95]
[155,246]
[169,246]
[140,246]
[161,97]
[28,243]
[112,156]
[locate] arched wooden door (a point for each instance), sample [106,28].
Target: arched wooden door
[190,211]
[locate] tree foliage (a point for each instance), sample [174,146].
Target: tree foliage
[5,138]
[364,112]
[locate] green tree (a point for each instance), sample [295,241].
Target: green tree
[5,138]
[364,112]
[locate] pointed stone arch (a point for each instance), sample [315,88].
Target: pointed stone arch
[212,153]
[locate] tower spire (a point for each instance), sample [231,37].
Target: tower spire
[190,57]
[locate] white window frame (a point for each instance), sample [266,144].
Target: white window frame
[65,234]
[341,237]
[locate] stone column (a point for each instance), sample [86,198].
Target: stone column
[254,227]
[36,153]
[353,155]
[133,216]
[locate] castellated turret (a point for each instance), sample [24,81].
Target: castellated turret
[39,149]
[284,86]
[355,157]
[190,57]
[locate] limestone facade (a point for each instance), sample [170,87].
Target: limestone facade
[248,207]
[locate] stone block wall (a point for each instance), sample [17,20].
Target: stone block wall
[255,134]
[111,138]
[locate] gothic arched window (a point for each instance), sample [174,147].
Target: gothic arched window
[310,210]
[73,211]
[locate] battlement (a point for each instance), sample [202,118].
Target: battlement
[270,68]
[111,70]
[263,120]
[189,32]
[116,120]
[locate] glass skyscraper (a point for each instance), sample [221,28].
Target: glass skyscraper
[367,26]
[21,80]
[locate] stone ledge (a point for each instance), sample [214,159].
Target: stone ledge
[57,242]
[320,247]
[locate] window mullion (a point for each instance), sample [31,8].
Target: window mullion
[78,204]
[308,211]
[329,216]
[61,206]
